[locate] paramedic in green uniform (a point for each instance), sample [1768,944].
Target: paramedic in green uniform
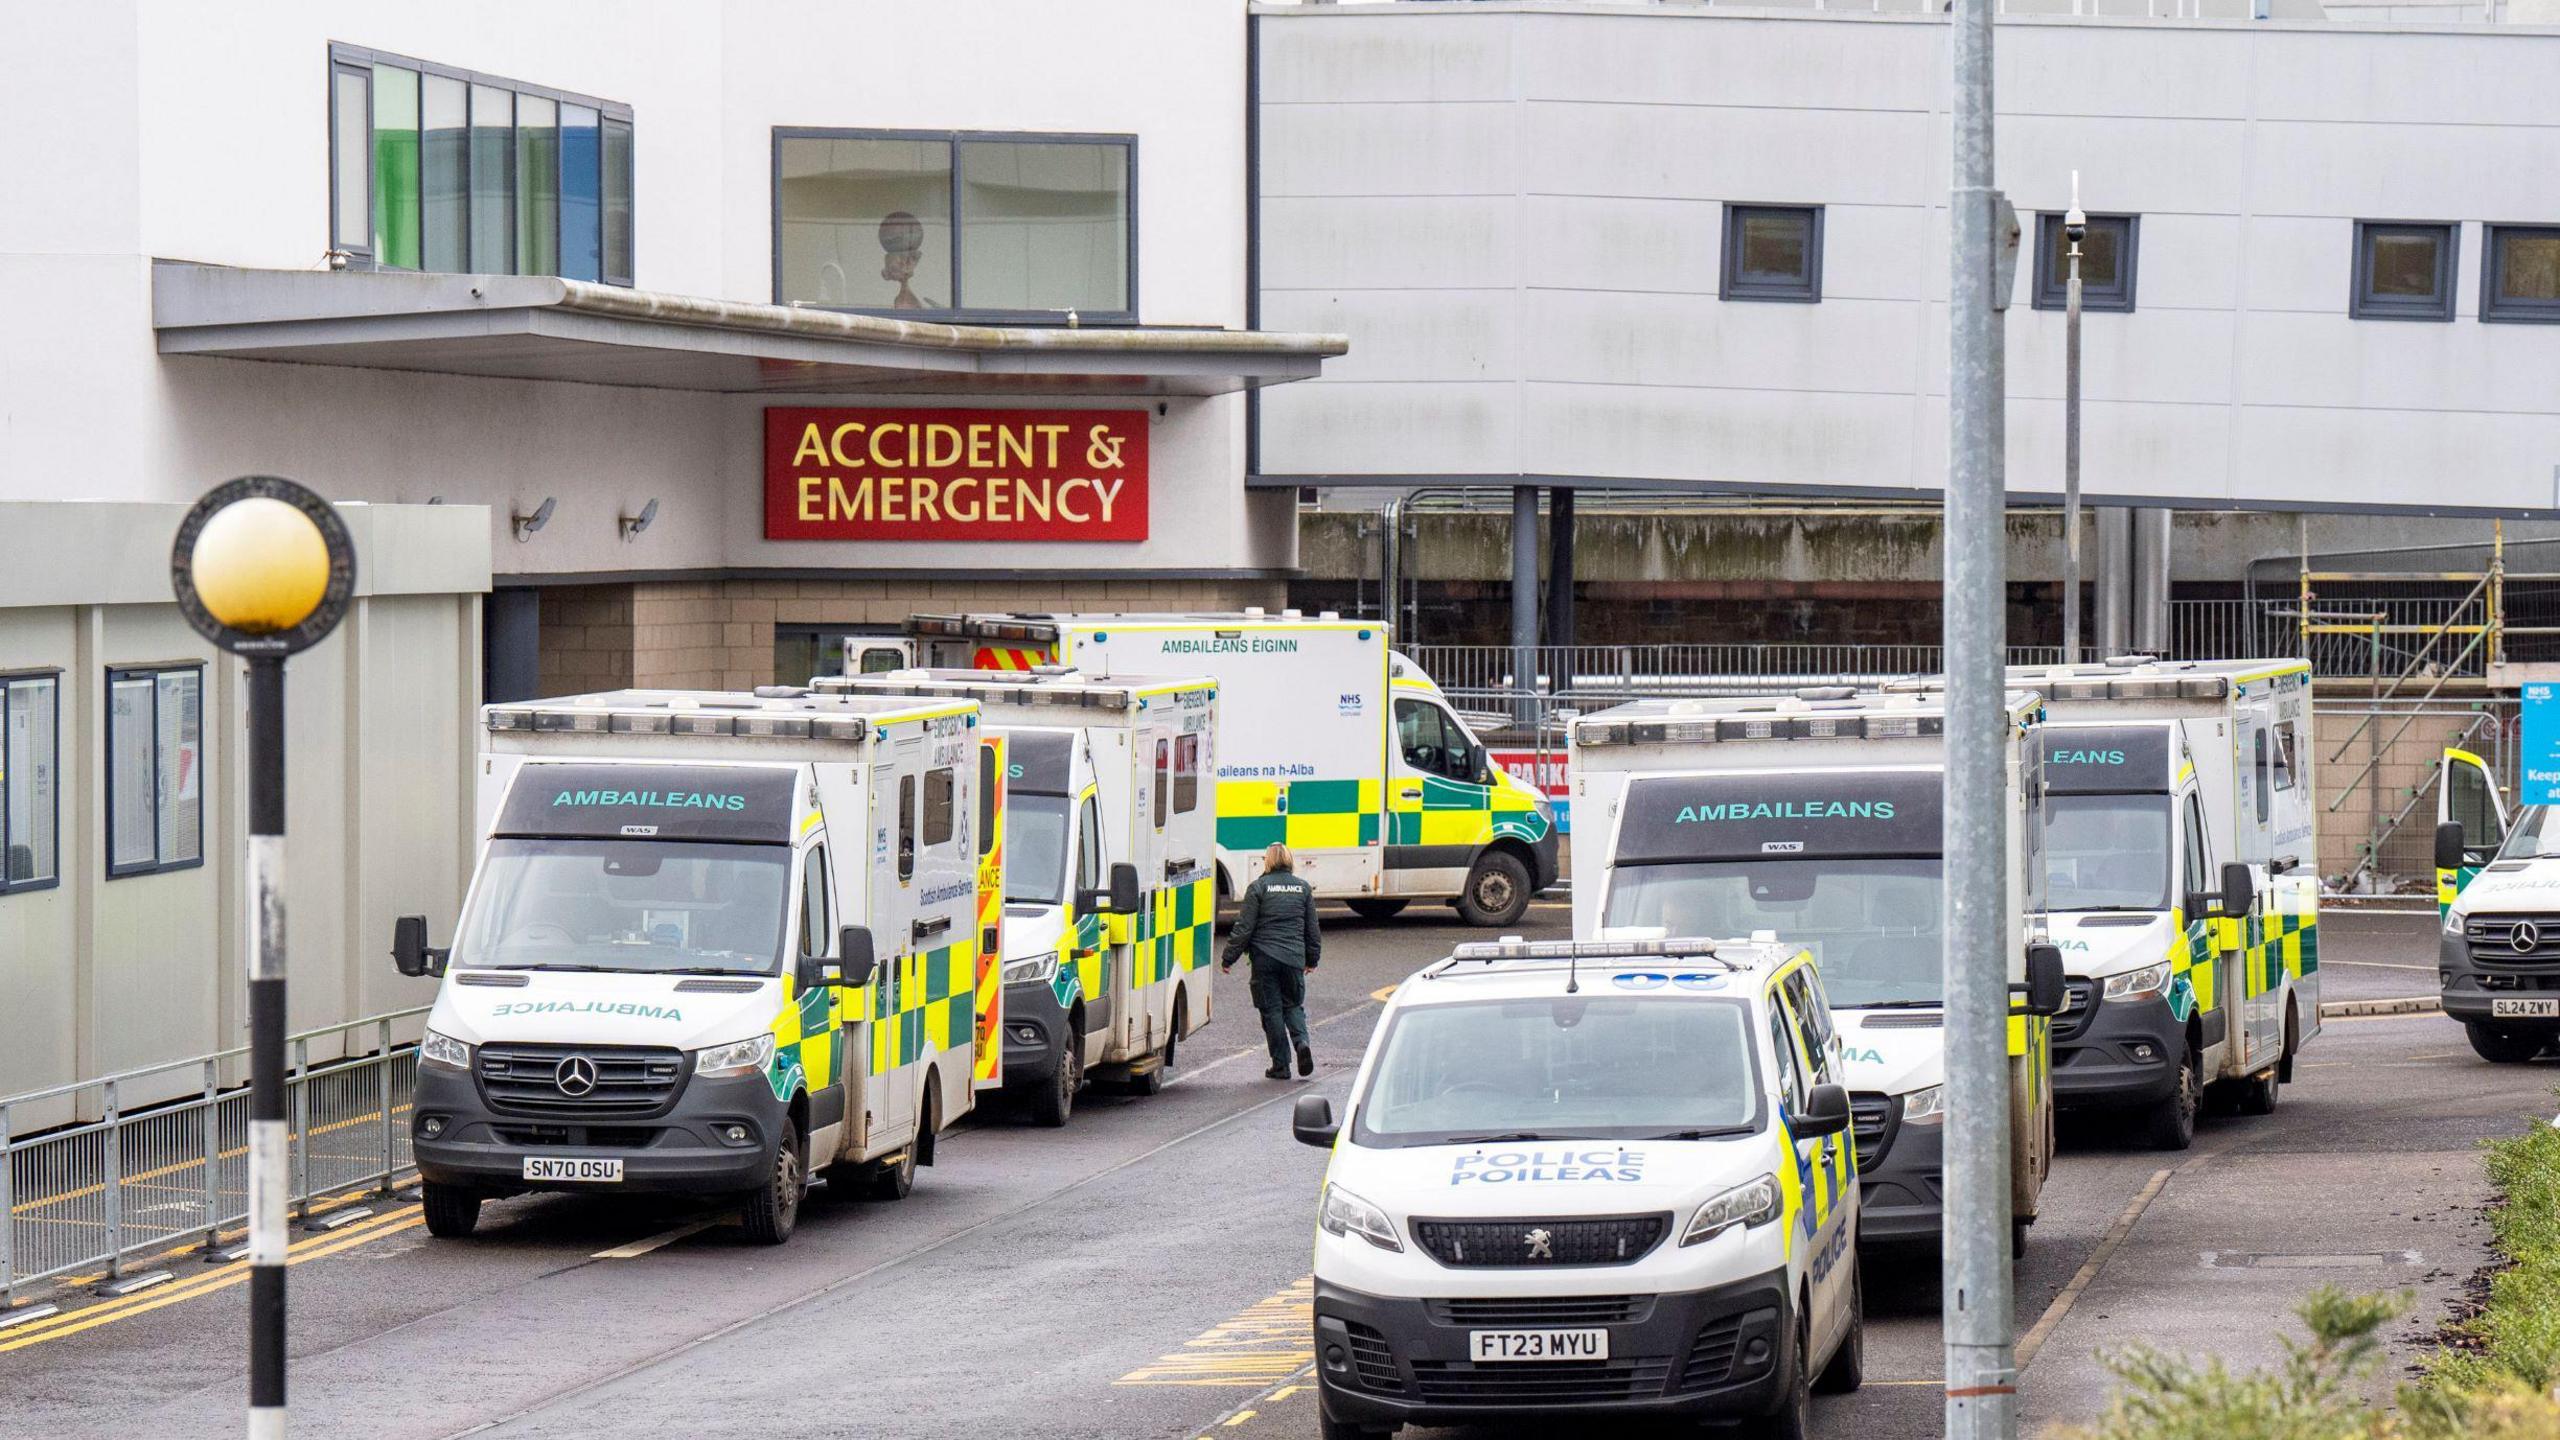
[1277,927]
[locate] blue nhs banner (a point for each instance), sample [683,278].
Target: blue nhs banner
[2538,776]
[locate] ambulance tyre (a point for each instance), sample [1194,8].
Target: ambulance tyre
[2505,1047]
[1848,1367]
[452,1213]
[772,1211]
[893,1178]
[1371,907]
[1497,890]
[1052,1103]
[2173,1119]
[2257,1094]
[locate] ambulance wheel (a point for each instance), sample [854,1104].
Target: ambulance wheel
[2173,1119]
[1848,1367]
[1372,908]
[2018,1239]
[1497,890]
[772,1211]
[2505,1047]
[893,1178]
[2257,1094]
[1053,1102]
[452,1213]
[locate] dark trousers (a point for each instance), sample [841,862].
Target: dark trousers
[1280,993]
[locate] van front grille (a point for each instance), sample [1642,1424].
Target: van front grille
[580,1080]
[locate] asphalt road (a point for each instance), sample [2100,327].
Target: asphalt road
[1139,1273]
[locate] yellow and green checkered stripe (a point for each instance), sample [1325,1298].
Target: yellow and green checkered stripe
[1302,814]
[2450,885]
[1172,933]
[2278,947]
[922,1003]
[806,1051]
[1084,961]
[1454,812]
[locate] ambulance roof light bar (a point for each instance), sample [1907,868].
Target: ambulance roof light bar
[1513,948]
[1045,685]
[1598,730]
[776,718]
[982,627]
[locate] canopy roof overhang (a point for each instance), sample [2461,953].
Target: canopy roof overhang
[518,327]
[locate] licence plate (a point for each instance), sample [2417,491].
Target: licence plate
[2547,1008]
[544,1167]
[1488,1345]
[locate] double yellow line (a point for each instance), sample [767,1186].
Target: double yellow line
[91,1317]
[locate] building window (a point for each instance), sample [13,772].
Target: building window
[432,168]
[30,757]
[2107,253]
[155,770]
[1772,252]
[2520,273]
[2403,271]
[946,223]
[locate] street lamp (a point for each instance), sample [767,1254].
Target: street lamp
[263,568]
[2074,226]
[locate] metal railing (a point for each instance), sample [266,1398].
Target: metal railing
[1606,674]
[97,1192]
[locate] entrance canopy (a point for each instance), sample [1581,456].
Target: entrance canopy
[541,328]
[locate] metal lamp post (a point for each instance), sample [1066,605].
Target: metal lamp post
[263,568]
[2074,226]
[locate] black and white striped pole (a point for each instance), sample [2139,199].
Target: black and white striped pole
[263,568]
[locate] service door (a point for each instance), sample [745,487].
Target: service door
[1437,813]
[2468,795]
[2199,959]
[1150,1008]
[993,774]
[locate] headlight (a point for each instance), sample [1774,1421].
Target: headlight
[2139,984]
[1546,806]
[1344,1213]
[440,1049]
[1752,1203]
[1925,1107]
[743,1057]
[2453,922]
[1037,967]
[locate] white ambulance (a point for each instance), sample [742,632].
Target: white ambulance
[2181,857]
[1328,740]
[2498,887]
[1816,817]
[1110,893]
[715,943]
[1591,1182]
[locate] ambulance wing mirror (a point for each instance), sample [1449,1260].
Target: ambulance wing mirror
[2239,888]
[2045,988]
[1483,764]
[1826,1112]
[1120,897]
[855,958]
[1311,1120]
[410,953]
[2449,847]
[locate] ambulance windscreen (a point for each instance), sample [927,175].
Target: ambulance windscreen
[652,802]
[1039,762]
[2104,759]
[652,907]
[2106,852]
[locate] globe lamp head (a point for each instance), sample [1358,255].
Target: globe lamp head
[260,566]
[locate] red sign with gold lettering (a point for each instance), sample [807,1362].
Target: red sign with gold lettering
[903,474]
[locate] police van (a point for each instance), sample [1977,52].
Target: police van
[2181,855]
[1327,740]
[1110,893]
[2498,891]
[1578,1179]
[715,944]
[1815,817]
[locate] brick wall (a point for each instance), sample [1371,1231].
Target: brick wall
[718,634]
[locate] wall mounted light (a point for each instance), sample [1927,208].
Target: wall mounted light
[632,525]
[525,524]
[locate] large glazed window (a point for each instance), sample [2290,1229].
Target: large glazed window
[155,770]
[656,907]
[441,169]
[30,795]
[944,223]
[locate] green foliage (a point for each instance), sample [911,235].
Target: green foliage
[2505,1360]
[2314,1394]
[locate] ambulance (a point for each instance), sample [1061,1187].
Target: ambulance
[1590,1181]
[2181,851]
[2498,888]
[714,943]
[1328,740]
[1815,817]
[1110,896]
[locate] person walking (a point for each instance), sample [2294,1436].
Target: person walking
[1277,927]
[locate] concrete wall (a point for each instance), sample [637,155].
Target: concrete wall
[1514,210]
[201,133]
[100,975]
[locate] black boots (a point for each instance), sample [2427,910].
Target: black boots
[1276,1072]
[1306,1061]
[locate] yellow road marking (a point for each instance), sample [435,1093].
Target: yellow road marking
[93,1316]
[638,1248]
[1271,1340]
[1240,1417]
[1383,992]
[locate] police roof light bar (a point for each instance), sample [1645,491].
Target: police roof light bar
[1512,948]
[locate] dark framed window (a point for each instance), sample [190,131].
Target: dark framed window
[951,224]
[1772,252]
[434,168]
[2404,270]
[30,793]
[155,769]
[2520,273]
[2108,250]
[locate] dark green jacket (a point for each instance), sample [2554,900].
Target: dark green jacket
[1277,925]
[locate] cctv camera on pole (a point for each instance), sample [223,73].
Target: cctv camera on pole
[263,568]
